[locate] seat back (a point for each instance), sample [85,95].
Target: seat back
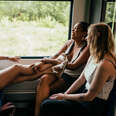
[111,111]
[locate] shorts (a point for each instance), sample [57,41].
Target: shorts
[69,80]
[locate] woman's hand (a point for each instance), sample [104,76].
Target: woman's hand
[59,96]
[69,65]
[7,106]
[57,68]
[14,59]
[45,60]
[51,61]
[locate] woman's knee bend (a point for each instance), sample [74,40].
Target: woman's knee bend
[42,80]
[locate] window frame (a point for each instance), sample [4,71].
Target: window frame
[104,3]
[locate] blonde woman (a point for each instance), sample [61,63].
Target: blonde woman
[99,75]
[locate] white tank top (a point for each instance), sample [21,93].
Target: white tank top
[89,75]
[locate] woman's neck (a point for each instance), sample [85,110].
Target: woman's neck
[79,44]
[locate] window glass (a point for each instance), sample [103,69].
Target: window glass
[33,28]
[110,16]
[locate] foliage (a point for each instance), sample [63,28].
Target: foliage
[110,16]
[110,10]
[30,28]
[30,38]
[35,10]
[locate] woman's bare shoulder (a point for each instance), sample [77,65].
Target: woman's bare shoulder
[107,66]
[70,42]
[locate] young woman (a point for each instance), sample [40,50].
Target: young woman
[99,75]
[78,54]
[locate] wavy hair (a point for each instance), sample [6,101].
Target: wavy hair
[102,41]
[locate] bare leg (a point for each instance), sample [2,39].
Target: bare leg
[38,74]
[9,74]
[43,90]
[58,86]
[42,67]
[20,79]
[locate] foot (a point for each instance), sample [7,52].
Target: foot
[26,69]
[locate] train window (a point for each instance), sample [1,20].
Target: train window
[34,28]
[110,15]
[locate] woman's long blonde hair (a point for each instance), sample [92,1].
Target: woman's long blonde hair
[102,41]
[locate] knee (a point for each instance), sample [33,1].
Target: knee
[16,67]
[44,79]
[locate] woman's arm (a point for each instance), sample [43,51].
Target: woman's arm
[50,61]
[102,74]
[14,59]
[63,49]
[79,82]
[53,60]
[76,85]
[3,58]
[80,60]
